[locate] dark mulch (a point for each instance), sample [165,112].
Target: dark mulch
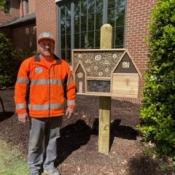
[78,146]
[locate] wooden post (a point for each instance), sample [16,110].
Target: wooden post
[105,102]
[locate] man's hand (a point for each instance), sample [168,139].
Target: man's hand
[23,117]
[69,112]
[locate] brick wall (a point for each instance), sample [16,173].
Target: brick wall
[46,16]
[14,8]
[22,36]
[5,17]
[12,14]
[136,30]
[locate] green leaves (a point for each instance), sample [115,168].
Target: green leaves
[158,107]
[2,3]
[8,62]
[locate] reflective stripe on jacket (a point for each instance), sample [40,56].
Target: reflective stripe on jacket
[41,87]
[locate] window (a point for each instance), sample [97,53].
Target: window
[80,21]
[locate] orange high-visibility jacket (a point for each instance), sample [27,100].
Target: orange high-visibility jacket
[41,87]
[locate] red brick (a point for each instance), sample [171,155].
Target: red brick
[46,16]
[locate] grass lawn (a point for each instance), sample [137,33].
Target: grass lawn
[11,160]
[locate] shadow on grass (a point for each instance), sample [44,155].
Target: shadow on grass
[5,115]
[143,165]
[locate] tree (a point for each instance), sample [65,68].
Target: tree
[158,108]
[9,62]
[2,3]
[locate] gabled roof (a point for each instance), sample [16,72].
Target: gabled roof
[81,65]
[20,20]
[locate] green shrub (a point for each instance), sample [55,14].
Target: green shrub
[158,107]
[2,3]
[10,60]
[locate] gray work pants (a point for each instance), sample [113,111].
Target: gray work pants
[42,150]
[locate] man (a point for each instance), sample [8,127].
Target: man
[49,80]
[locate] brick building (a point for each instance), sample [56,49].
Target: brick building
[18,21]
[129,19]
[76,24]
[137,15]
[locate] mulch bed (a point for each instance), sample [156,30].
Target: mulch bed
[78,145]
